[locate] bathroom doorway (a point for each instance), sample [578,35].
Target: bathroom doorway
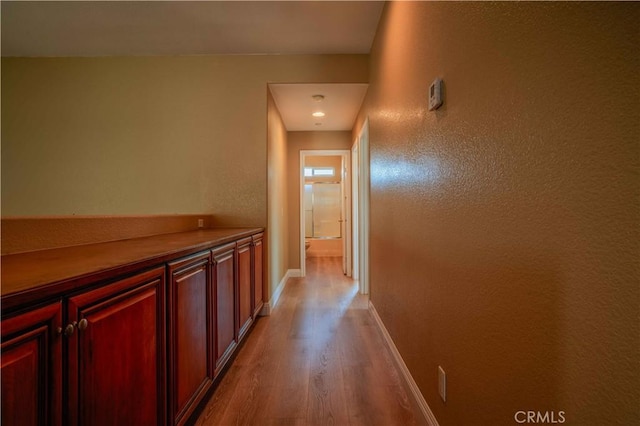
[325,199]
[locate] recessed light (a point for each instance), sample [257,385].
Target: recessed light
[318,114]
[318,98]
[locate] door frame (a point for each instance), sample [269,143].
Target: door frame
[346,203]
[361,207]
[355,179]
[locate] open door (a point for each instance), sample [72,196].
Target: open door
[346,222]
[307,214]
[355,176]
[360,210]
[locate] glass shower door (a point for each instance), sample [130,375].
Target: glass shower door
[326,210]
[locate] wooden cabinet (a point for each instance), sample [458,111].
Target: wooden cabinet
[244,276]
[223,277]
[116,353]
[31,367]
[191,334]
[115,369]
[140,343]
[258,273]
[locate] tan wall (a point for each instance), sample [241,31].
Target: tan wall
[146,135]
[298,141]
[504,226]
[278,249]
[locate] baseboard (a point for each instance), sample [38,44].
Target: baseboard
[269,306]
[406,374]
[294,273]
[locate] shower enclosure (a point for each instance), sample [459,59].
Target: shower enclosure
[322,204]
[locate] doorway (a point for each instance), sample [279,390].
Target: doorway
[325,203]
[360,208]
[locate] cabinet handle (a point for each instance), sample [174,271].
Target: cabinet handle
[83,324]
[69,329]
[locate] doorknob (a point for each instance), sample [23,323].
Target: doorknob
[83,324]
[69,329]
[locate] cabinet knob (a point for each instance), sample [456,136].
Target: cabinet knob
[83,324]
[69,329]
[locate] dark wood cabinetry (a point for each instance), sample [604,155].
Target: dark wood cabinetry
[258,273]
[245,311]
[139,338]
[190,334]
[32,367]
[116,353]
[115,340]
[223,277]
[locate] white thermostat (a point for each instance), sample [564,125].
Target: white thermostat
[435,94]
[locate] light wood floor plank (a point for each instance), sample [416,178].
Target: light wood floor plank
[319,359]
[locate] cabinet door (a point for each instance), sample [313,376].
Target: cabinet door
[258,277]
[32,368]
[190,334]
[117,353]
[223,274]
[245,312]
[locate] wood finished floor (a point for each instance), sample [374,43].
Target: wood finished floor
[319,359]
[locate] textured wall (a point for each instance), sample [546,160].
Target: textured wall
[298,141]
[504,226]
[147,135]
[277,230]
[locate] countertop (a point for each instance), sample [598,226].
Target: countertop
[48,272]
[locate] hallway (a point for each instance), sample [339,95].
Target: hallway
[318,359]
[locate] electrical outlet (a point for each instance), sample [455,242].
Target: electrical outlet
[435,94]
[200,223]
[442,384]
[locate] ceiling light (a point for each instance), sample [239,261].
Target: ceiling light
[318,114]
[318,98]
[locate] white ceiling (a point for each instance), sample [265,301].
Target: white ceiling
[159,28]
[135,28]
[341,104]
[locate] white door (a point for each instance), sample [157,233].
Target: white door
[363,208]
[355,185]
[346,258]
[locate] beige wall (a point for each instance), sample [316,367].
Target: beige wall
[504,226]
[278,250]
[298,141]
[146,135]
